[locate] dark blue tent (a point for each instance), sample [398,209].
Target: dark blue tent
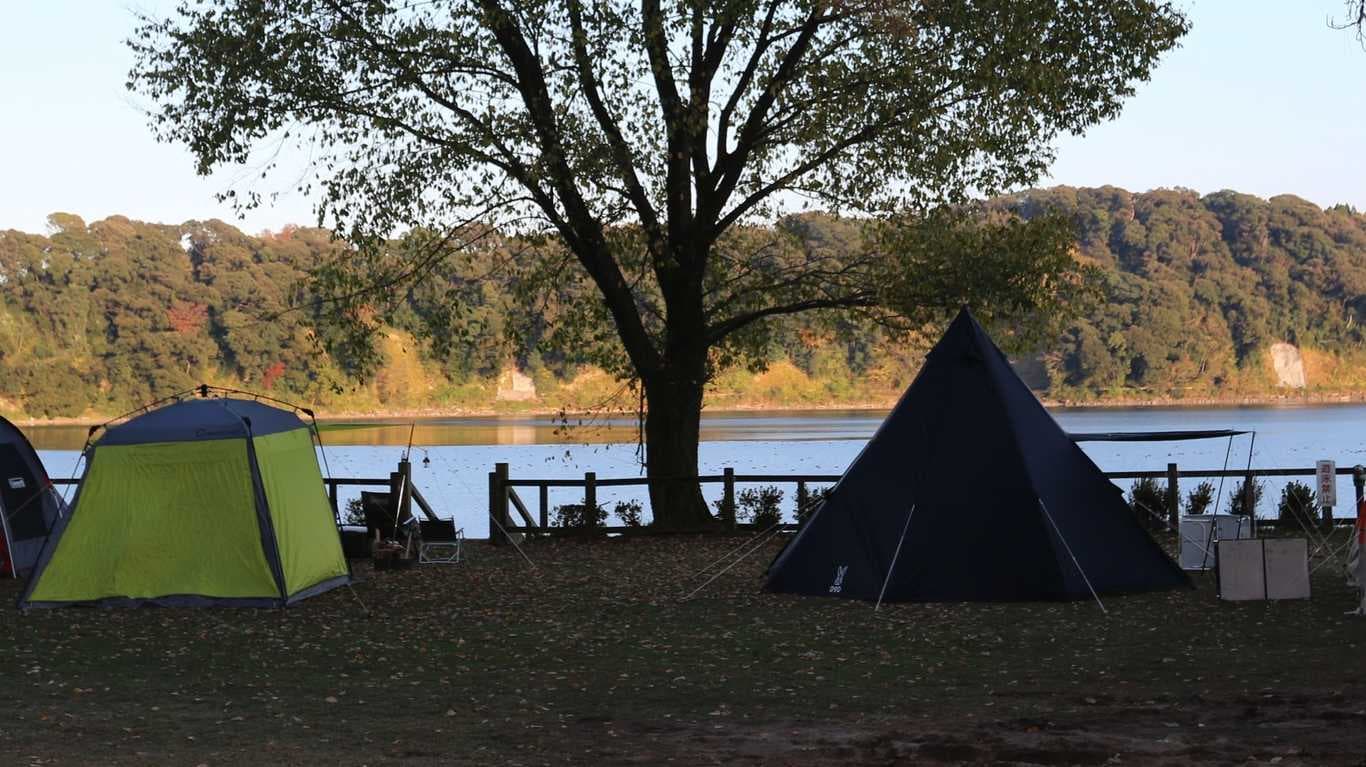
[28,505]
[982,492]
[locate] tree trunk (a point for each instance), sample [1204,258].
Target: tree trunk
[673,417]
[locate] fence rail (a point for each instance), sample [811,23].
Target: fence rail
[503,494]
[504,499]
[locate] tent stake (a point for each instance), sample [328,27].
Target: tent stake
[897,554]
[1091,588]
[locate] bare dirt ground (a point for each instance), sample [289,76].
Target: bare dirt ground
[591,659]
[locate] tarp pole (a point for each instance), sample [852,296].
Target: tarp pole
[897,554]
[1092,589]
[1250,495]
[1219,496]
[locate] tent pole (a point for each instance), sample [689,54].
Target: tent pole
[895,556]
[1091,588]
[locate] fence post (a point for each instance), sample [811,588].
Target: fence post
[1173,497]
[728,497]
[545,506]
[498,504]
[332,499]
[405,498]
[590,494]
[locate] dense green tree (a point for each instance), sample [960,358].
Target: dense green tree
[107,315]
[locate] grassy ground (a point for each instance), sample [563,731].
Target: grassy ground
[591,659]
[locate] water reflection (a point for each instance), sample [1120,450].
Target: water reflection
[782,426]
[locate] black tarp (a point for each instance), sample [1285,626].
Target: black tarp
[999,492]
[1152,436]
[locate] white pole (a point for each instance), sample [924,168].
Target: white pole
[1091,588]
[892,566]
[512,541]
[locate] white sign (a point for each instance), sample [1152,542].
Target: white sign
[1327,474]
[16,483]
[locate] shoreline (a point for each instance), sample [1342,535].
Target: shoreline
[456,413]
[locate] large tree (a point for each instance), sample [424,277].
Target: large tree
[646,134]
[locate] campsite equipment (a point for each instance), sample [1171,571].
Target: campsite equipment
[1200,533]
[1006,506]
[1356,563]
[440,542]
[29,506]
[213,501]
[1263,568]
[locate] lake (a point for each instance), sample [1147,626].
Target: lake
[462,451]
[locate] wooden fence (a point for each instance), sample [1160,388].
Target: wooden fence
[504,498]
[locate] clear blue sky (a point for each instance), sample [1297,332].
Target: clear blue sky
[1262,97]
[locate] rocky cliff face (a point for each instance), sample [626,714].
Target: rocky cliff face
[515,386]
[1289,365]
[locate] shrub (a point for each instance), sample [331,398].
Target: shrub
[813,501]
[1148,499]
[579,515]
[1298,507]
[760,506]
[629,512]
[1237,498]
[1199,499]
[355,513]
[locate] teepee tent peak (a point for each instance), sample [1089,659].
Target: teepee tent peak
[978,494]
[214,501]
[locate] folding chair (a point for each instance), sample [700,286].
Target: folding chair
[381,525]
[378,509]
[441,542]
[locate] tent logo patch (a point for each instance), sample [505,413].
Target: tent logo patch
[838,585]
[16,483]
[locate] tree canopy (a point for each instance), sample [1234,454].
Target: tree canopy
[650,138]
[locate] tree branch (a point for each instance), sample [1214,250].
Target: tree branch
[719,331]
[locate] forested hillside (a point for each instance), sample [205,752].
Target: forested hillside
[1197,289]
[96,318]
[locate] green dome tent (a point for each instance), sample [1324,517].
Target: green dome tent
[214,501]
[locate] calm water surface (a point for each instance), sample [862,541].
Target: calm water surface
[462,451]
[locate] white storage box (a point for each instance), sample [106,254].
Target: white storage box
[1202,532]
[1272,568]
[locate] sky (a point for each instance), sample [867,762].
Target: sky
[1262,97]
